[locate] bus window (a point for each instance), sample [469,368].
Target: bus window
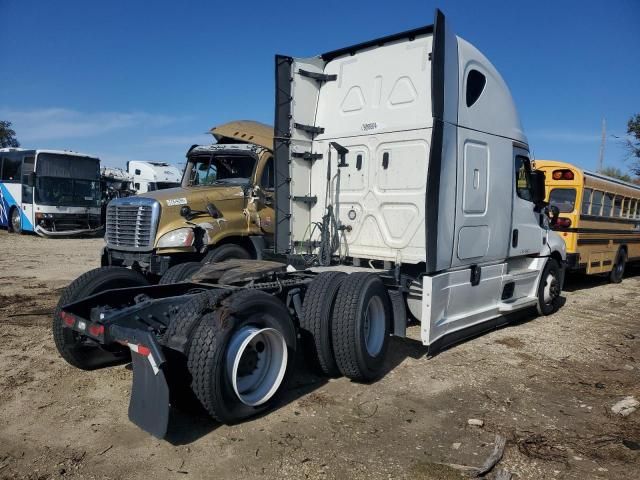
[11,169]
[625,207]
[563,198]
[596,203]
[632,208]
[607,204]
[27,168]
[617,206]
[586,201]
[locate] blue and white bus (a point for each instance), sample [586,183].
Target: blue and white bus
[49,192]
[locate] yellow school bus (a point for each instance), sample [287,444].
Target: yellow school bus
[599,218]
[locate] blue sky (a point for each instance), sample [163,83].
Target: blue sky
[144,80]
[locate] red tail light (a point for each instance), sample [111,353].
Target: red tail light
[144,351]
[96,330]
[562,175]
[68,319]
[563,222]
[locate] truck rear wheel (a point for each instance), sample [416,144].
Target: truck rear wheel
[76,349]
[241,355]
[360,326]
[225,252]
[180,272]
[315,323]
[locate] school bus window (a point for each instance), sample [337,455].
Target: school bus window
[586,201]
[607,204]
[596,203]
[563,198]
[625,207]
[617,205]
[632,208]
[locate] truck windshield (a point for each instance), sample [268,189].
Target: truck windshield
[563,198]
[221,169]
[162,185]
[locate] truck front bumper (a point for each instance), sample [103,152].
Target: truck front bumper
[148,262]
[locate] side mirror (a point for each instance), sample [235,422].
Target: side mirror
[31,180]
[537,187]
[554,215]
[185,212]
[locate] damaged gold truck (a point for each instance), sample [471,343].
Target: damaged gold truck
[223,208]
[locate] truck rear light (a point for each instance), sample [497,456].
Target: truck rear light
[96,330]
[68,319]
[562,175]
[563,222]
[144,351]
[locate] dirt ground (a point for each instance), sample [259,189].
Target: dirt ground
[546,384]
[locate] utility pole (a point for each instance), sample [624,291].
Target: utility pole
[602,145]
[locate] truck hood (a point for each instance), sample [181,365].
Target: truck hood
[196,197]
[244,131]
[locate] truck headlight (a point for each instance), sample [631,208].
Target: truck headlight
[182,237]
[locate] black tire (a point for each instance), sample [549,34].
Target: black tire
[73,347]
[208,350]
[225,252]
[315,323]
[349,322]
[553,274]
[15,221]
[180,272]
[617,272]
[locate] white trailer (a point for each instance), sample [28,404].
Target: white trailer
[404,192]
[150,176]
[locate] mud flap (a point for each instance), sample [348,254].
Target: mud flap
[149,404]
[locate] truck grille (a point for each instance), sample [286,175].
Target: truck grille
[131,223]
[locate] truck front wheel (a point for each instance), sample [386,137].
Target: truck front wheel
[180,272]
[77,349]
[549,288]
[241,355]
[225,252]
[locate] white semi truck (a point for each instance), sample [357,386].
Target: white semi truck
[404,193]
[151,176]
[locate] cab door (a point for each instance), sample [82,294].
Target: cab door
[526,233]
[266,199]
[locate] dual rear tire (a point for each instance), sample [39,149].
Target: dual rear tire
[347,320]
[241,356]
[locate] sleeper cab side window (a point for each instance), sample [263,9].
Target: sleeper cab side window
[523,178]
[476,82]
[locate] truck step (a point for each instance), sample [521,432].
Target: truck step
[512,305]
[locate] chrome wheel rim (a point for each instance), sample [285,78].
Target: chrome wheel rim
[551,288]
[15,220]
[256,363]
[374,326]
